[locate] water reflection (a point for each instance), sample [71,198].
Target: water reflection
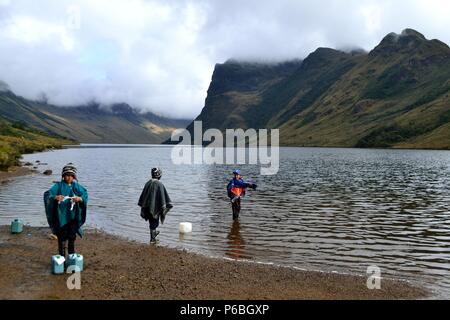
[185,236]
[236,243]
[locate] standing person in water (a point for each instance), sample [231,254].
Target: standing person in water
[236,190]
[155,203]
[66,207]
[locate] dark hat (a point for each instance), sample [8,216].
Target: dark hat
[156,173]
[69,169]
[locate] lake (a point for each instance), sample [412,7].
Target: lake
[339,210]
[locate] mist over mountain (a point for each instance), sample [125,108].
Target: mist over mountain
[159,55]
[91,123]
[396,95]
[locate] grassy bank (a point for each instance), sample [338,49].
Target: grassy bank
[17,139]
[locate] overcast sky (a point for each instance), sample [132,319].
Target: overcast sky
[160,55]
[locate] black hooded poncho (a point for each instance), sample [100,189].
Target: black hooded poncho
[154,201]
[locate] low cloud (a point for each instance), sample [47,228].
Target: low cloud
[159,55]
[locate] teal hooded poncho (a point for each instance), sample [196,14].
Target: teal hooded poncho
[60,214]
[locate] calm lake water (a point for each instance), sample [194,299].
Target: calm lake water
[337,210]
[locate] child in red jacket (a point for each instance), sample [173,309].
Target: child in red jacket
[236,190]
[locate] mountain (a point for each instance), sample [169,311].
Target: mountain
[396,95]
[237,87]
[118,123]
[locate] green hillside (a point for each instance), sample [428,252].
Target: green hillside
[395,96]
[27,126]
[92,123]
[16,139]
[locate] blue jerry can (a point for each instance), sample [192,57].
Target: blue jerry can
[58,264]
[75,260]
[16,226]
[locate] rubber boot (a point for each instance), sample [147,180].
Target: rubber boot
[62,252]
[236,206]
[235,212]
[153,235]
[71,246]
[62,248]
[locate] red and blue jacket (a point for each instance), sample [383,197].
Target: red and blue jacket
[236,188]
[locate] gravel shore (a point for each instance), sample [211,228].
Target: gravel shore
[116,268]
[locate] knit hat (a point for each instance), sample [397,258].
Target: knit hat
[69,169]
[156,173]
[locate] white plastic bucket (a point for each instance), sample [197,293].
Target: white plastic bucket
[185,227]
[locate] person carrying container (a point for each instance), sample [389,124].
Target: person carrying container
[66,207]
[236,190]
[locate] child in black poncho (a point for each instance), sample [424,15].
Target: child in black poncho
[154,202]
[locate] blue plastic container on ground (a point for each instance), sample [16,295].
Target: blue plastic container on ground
[75,262]
[16,226]
[58,264]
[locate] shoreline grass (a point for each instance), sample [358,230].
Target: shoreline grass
[17,139]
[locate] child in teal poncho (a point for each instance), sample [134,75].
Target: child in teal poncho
[65,207]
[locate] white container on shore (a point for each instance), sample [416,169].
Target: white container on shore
[185,227]
[16,226]
[58,264]
[76,262]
